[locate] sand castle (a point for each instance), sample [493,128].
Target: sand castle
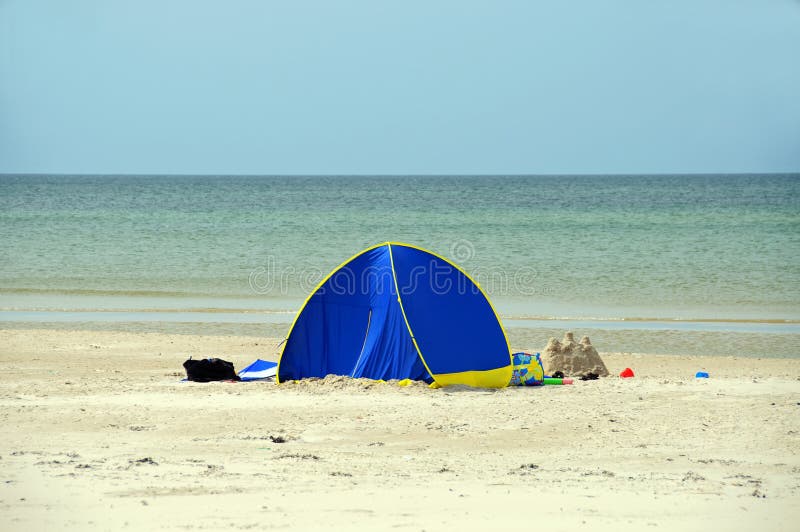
[574,359]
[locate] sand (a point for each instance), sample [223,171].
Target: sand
[99,434]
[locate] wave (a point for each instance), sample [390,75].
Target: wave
[151,310]
[122,293]
[637,319]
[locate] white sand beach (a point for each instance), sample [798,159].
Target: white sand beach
[99,434]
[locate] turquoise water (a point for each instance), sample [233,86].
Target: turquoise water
[654,248]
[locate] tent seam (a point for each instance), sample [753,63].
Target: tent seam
[403,312]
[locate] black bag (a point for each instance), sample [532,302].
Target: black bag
[210,369]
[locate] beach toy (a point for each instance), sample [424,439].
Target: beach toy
[551,380]
[526,370]
[701,375]
[626,373]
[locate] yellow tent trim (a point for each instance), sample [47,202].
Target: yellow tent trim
[403,311]
[490,378]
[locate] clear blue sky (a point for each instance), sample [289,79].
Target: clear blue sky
[417,87]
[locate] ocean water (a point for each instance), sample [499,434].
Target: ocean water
[706,255]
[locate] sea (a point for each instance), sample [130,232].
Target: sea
[652,264]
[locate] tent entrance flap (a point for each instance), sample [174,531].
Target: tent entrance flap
[363,345]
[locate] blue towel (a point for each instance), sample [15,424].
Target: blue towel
[259,370]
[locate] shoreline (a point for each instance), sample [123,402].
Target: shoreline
[770,341]
[509,308]
[9,313]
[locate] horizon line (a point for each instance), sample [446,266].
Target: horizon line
[642,174]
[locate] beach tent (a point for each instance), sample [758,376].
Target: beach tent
[396,311]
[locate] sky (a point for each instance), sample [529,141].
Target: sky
[399,87]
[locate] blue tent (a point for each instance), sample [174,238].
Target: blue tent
[396,311]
